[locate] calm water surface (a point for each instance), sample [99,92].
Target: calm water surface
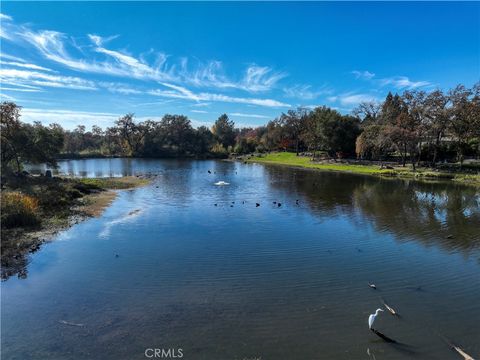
[237,281]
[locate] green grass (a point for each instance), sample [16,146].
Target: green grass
[290,159]
[115,183]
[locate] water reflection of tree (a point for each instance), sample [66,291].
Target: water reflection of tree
[435,214]
[441,214]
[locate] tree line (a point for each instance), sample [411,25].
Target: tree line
[412,127]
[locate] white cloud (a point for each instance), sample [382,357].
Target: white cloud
[5,97]
[10,57]
[67,118]
[21,89]
[28,78]
[4,17]
[25,65]
[355,99]
[255,79]
[119,88]
[199,111]
[52,45]
[365,75]
[305,92]
[256,116]
[260,78]
[57,47]
[240,100]
[179,92]
[401,82]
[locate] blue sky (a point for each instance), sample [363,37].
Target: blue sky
[90,62]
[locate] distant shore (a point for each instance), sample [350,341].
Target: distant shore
[34,208]
[354,167]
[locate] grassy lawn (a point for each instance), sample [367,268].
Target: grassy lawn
[290,159]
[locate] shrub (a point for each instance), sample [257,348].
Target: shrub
[18,210]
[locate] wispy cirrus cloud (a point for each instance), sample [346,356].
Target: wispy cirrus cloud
[254,116]
[401,82]
[69,118]
[179,92]
[260,78]
[306,92]
[255,79]
[119,88]
[25,65]
[22,89]
[12,58]
[27,78]
[352,99]
[398,82]
[61,49]
[364,74]
[4,17]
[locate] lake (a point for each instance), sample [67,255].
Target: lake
[240,281]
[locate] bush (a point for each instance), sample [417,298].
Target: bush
[18,210]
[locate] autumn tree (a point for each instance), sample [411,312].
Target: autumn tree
[437,117]
[132,134]
[295,121]
[24,143]
[465,117]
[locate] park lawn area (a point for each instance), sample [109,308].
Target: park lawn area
[291,159]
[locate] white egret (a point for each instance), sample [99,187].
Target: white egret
[372,317]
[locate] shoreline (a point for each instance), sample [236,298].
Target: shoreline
[95,196]
[421,174]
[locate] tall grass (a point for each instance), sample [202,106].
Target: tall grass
[18,209]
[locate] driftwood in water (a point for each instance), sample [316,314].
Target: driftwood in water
[70,323]
[463,353]
[384,337]
[390,309]
[457,348]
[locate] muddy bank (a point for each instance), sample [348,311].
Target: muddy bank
[54,204]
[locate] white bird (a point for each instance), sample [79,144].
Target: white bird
[222,183]
[372,317]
